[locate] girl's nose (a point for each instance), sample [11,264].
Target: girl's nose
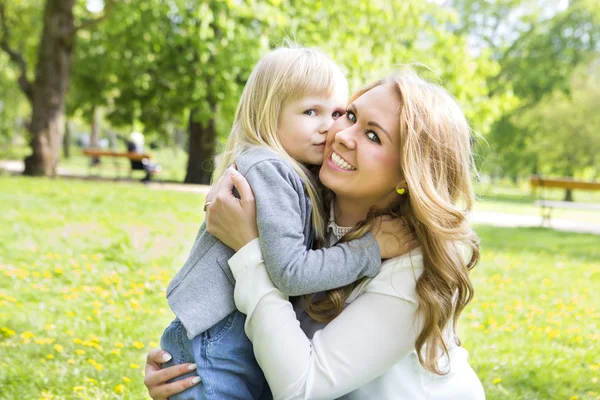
[326,125]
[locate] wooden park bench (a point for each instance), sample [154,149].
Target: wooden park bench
[137,160]
[546,206]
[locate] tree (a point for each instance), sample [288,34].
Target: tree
[170,63]
[46,93]
[188,60]
[537,45]
[565,126]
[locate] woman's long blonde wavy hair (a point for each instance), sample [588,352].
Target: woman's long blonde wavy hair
[437,164]
[283,75]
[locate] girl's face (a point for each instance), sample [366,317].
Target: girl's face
[362,152]
[304,123]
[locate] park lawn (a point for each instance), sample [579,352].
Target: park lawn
[519,200]
[84,267]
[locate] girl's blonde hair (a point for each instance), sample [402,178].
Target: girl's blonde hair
[436,163]
[283,75]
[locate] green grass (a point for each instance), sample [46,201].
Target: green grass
[533,327]
[84,267]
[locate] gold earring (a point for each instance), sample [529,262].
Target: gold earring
[400,191]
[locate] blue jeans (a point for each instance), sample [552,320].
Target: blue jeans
[225,360]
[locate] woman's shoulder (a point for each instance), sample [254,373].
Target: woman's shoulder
[398,277]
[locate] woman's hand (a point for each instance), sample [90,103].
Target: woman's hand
[156,378]
[232,220]
[393,236]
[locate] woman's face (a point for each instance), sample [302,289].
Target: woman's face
[362,151]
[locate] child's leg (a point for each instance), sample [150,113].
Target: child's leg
[226,361]
[175,341]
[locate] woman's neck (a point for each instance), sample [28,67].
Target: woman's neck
[347,212]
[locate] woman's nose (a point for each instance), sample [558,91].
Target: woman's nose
[346,137]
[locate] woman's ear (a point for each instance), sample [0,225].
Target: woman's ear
[401,187]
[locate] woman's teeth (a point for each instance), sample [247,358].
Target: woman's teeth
[340,162]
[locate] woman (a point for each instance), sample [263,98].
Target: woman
[402,149]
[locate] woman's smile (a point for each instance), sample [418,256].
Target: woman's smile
[339,163]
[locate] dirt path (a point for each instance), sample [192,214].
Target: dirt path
[478,217]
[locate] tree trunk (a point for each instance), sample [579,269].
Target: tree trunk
[67,140]
[201,150]
[55,55]
[180,138]
[569,195]
[95,131]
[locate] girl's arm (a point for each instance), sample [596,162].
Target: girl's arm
[372,334]
[281,218]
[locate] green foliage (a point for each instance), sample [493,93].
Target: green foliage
[14,108]
[571,120]
[160,60]
[538,45]
[164,59]
[152,64]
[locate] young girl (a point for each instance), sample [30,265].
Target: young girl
[290,101]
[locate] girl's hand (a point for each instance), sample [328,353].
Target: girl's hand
[156,378]
[232,220]
[393,236]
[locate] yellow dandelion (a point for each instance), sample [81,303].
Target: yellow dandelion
[126,379]
[58,348]
[573,397]
[80,352]
[138,345]
[153,344]
[497,381]
[133,366]
[90,380]
[27,335]
[71,361]
[119,345]
[78,388]
[49,356]
[7,331]
[99,367]
[120,388]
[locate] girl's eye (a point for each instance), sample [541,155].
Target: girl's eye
[311,112]
[351,116]
[336,114]
[373,137]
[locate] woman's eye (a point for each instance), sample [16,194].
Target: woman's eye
[311,112]
[351,116]
[336,114]
[373,137]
